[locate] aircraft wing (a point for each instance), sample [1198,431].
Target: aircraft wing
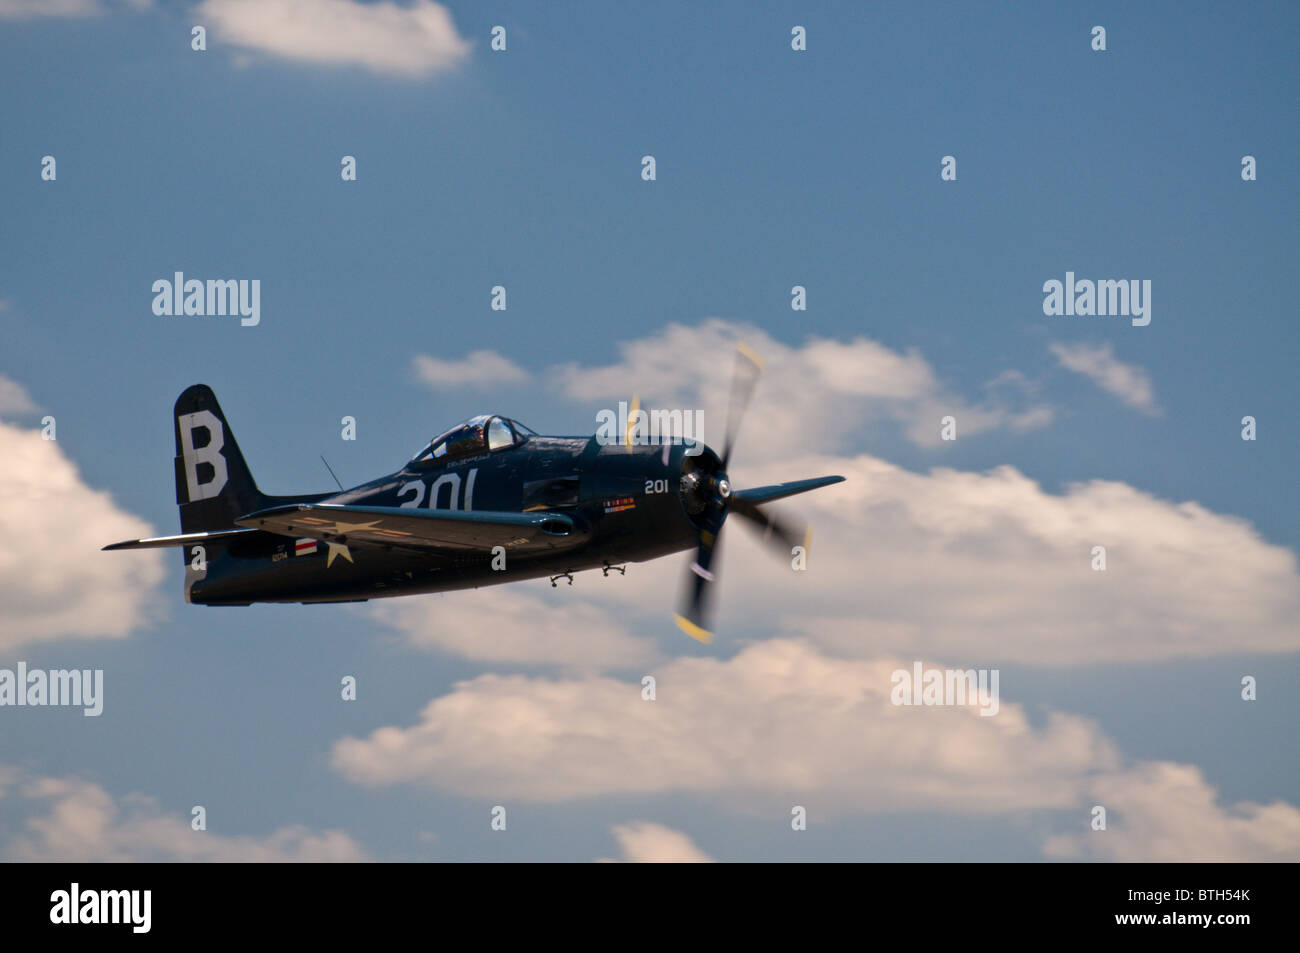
[458,530]
[779,491]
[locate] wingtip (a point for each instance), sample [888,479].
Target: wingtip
[696,632]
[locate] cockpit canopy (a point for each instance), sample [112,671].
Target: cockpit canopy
[482,434]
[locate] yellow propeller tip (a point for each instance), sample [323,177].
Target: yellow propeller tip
[630,434]
[750,353]
[693,630]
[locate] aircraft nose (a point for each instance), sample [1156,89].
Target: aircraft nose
[704,487]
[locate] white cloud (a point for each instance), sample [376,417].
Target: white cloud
[509,626]
[478,369]
[1162,812]
[644,842]
[14,399]
[1097,362]
[25,9]
[54,581]
[82,823]
[407,41]
[991,566]
[778,721]
[783,723]
[811,397]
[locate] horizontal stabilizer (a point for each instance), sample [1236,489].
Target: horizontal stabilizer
[185,539]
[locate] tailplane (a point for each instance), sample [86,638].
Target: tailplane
[213,489]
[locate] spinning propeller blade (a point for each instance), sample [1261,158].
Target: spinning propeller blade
[708,495]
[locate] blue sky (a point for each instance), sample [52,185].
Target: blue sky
[774,168]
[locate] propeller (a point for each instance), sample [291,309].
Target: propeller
[629,434]
[708,497]
[743,381]
[776,533]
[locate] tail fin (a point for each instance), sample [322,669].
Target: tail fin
[213,484]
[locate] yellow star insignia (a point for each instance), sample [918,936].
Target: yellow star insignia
[342,529]
[341,549]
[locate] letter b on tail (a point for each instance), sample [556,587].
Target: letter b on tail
[208,453]
[213,485]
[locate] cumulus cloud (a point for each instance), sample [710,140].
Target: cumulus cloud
[991,566]
[644,842]
[1163,812]
[411,42]
[784,723]
[779,720]
[1097,362]
[14,399]
[478,369]
[822,380]
[79,821]
[54,581]
[513,627]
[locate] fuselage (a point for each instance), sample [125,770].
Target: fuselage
[626,503]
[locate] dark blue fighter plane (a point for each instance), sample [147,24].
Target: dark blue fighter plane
[488,501]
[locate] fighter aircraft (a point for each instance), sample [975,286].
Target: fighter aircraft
[488,501]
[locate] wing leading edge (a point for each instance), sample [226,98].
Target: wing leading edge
[779,491]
